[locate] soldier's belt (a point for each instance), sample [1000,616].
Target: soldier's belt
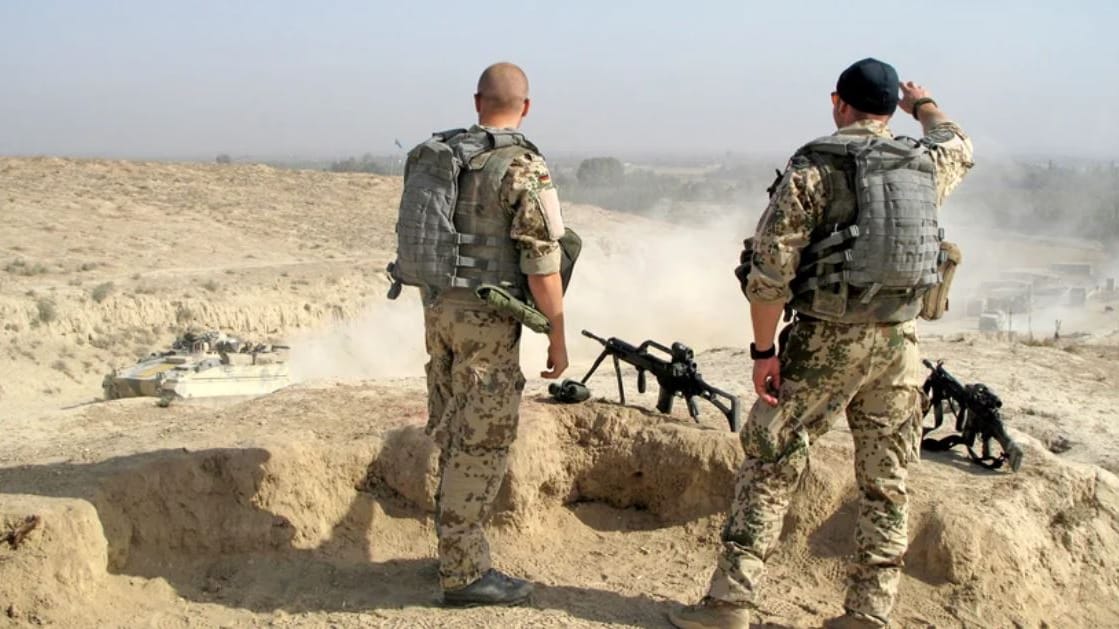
[505,302]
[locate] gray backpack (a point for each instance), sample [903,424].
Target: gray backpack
[428,244]
[427,241]
[893,244]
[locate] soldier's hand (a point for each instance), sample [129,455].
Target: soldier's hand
[557,361]
[910,92]
[767,379]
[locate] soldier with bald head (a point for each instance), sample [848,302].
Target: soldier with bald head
[507,224]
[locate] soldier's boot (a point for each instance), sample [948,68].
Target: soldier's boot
[492,588]
[852,620]
[711,613]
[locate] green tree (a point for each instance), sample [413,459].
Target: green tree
[601,171]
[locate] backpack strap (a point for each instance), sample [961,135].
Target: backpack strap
[448,134]
[481,241]
[507,137]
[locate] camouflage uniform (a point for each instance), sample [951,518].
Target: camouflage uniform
[870,371]
[474,380]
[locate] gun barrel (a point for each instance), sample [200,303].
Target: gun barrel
[928,363]
[592,335]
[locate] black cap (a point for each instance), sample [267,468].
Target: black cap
[869,85]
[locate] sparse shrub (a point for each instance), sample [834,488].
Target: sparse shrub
[183,314]
[211,285]
[1043,341]
[101,291]
[21,267]
[88,266]
[47,310]
[223,158]
[135,276]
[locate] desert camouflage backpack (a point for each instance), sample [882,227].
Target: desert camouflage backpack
[431,252]
[883,251]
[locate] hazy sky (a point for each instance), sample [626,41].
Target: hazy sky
[332,78]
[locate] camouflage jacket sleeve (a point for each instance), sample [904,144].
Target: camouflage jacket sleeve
[783,231]
[952,152]
[527,190]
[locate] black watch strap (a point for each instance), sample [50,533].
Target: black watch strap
[755,354]
[918,103]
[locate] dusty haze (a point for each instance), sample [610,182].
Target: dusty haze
[293,80]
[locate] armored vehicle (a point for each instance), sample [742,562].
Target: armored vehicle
[203,364]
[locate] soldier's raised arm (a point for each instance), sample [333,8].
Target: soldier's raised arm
[951,147]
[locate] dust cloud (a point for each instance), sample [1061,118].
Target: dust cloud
[384,341]
[666,274]
[636,279]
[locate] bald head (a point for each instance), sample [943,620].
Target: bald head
[502,89]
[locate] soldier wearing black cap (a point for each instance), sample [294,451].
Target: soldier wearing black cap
[850,243]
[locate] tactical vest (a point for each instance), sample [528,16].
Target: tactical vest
[876,250]
[452,230]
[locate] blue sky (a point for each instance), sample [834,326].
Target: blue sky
[327,79]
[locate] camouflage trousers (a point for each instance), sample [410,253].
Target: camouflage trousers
[871,372]
[474,385]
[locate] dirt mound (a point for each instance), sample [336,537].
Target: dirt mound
[313,521]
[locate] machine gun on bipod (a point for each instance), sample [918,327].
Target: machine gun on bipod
[976,408]
[676,374]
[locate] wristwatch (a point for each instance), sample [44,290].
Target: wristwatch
[756,354]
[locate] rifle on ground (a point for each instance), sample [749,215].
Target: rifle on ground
[977,415]
[676,375]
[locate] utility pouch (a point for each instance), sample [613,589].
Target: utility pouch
[935,301]
[830,301]
[505,302]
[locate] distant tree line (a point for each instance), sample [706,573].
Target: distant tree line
[1042,198]
[1048,198]
[367,163]
[607,183]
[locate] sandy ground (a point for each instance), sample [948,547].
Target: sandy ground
[312,506]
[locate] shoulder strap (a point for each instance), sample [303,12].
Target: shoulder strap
[444,136]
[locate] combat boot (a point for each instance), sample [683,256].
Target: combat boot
[711,613]
[492,588]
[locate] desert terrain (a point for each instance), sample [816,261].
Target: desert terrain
[312,506]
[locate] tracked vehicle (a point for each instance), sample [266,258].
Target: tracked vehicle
[202,365]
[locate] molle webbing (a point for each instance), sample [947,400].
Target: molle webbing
[451,230]
[492,259]
[892,242]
